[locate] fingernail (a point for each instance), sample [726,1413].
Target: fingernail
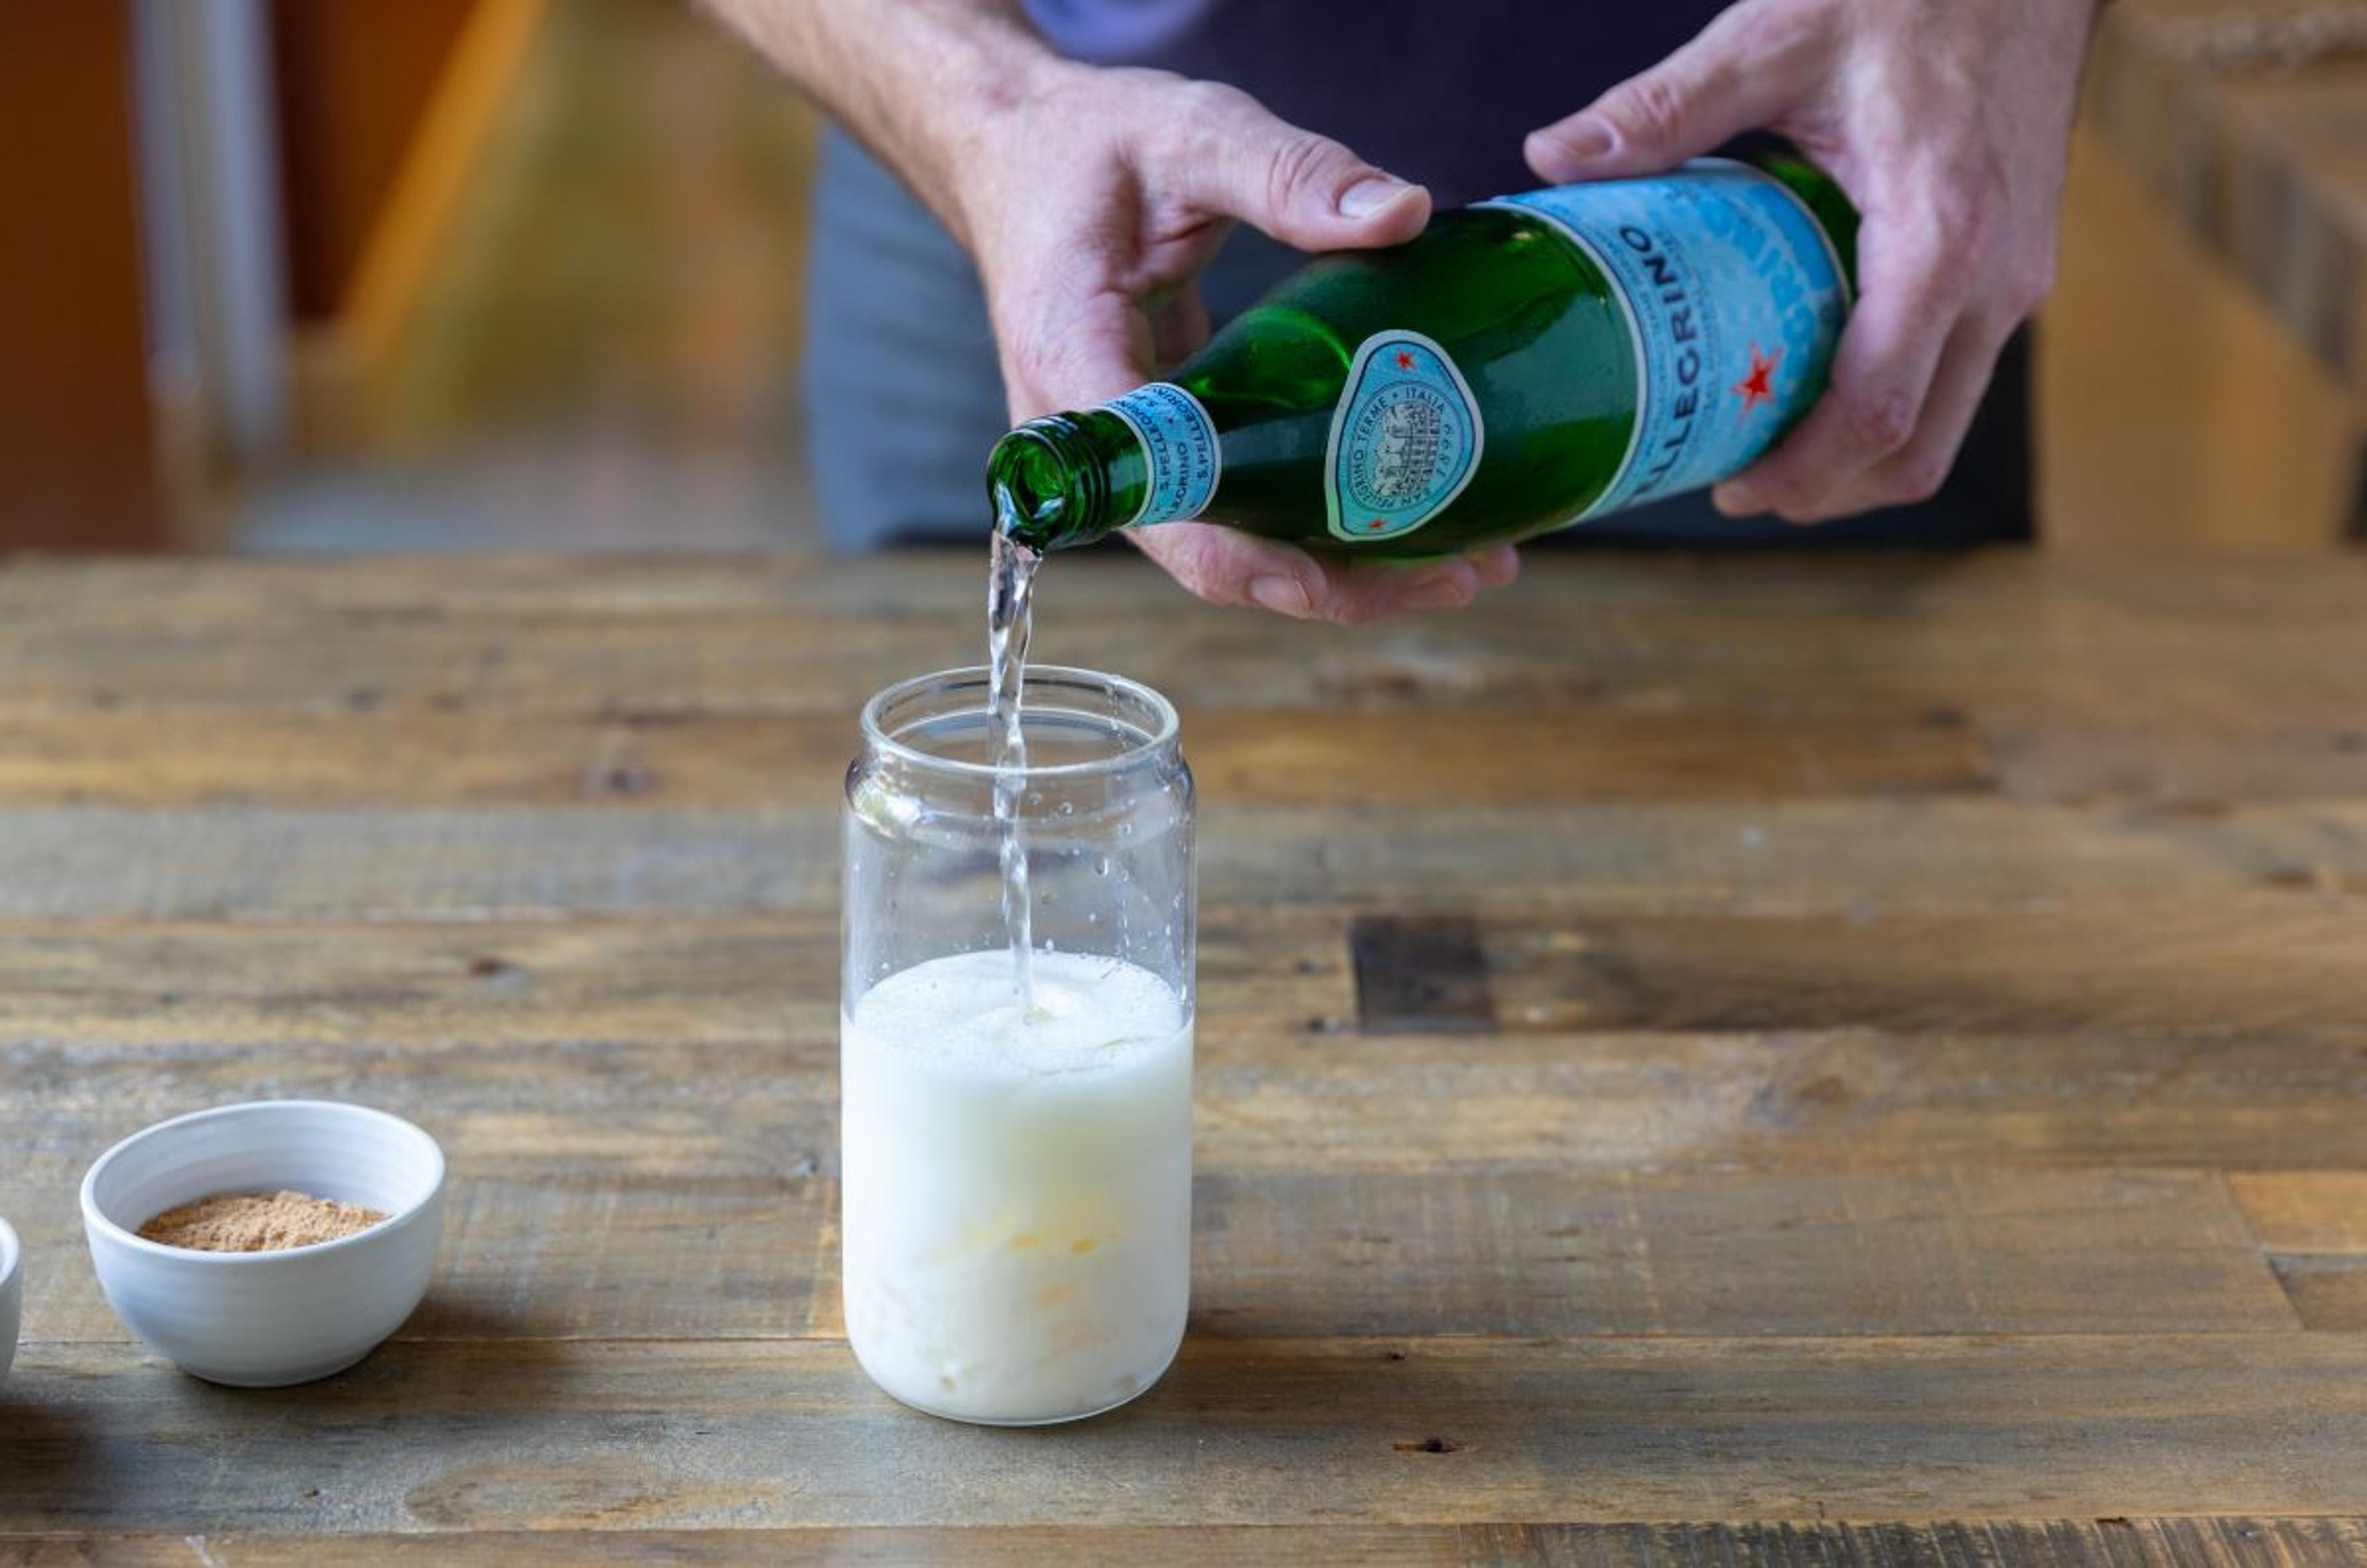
[1368,195]
[1583,139]
[1736,499]
[1283,595]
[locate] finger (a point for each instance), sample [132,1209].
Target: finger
[1496,567]
[1881,375]
[1179,326]
[1062,350]
[1368,590]
[1225,566]
[1232,156]
[1739,73]
[1916,470]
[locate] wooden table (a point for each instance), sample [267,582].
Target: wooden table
[1852,1062]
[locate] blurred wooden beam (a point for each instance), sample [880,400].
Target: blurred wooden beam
[342,363]
[2249,119]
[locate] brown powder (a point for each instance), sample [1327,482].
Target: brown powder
[257,1222]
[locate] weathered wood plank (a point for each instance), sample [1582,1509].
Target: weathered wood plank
[2276,963]
[1419,974]
[665,1249]
[752,1435]
[1772,856]
[2305,1211]
[2328,1293]
[2242,647]
[1989,1543]
[1553,1254]
[183,758]
[2176,965]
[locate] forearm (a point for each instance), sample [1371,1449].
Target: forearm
[915,80]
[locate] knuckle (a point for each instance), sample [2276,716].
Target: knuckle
[1300,161]
[1882,418]
[1201,106]
[1650,110]
[2029,282]
[1917,478]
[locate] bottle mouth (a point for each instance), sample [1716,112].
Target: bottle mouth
[1046,483]
[1095,723]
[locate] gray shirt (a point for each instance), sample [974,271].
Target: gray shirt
[1438,91]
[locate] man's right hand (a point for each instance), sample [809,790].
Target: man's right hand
[1091,198]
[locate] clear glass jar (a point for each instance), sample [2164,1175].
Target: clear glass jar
[1017,1191]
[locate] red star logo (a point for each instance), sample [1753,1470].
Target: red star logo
[1375,523]
[1759,387]
[1405,360]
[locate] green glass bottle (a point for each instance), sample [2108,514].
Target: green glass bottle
[1524,363]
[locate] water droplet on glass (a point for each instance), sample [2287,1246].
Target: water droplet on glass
[1100,867]
[1067,808]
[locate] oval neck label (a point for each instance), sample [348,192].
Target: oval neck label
[1405,439]
[1180,459]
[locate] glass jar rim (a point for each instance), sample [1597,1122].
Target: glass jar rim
[1161,738]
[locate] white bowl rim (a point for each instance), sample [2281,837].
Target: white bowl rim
[12,1254]
[93,1217]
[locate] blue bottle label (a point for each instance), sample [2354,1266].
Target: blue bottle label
[1734,298]
[1178,451]
[1405,438]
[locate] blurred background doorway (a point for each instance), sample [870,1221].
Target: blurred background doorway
[352,276]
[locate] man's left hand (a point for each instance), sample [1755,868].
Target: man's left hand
[1948,123]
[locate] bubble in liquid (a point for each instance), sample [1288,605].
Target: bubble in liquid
[1067,808]
[1100,867]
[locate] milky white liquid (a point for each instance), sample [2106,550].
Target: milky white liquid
[1017,1197]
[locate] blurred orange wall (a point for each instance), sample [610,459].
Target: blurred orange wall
[354,77]
[76,464]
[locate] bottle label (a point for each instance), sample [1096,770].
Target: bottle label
[1180,458]
[1733,299]
[1405,438]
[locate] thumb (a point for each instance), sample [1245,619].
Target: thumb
[1722,83]
[1234,158]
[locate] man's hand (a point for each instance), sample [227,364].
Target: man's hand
[1092,203]
[1948,123]
[1091,198]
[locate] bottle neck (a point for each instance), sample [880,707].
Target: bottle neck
[1065,480]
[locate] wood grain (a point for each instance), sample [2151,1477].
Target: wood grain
[1780,857]
[2305,1211]
[2203,1544]
[1924,1081]
[645,1250]
[2278,963]
[699,759]
[2328,1294]
[1883,644]
[663,1436]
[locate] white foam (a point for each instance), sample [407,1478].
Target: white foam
[961,1015]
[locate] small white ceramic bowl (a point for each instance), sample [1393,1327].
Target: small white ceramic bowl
[12,1293]
[267,1319]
